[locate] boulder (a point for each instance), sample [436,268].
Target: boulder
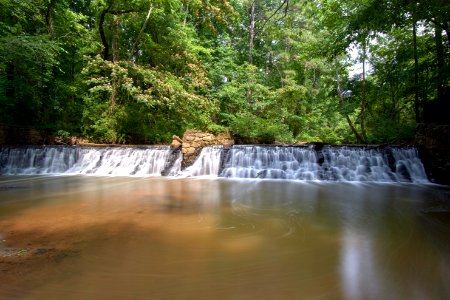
[194,140]
[176,142]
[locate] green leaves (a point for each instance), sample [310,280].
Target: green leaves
[28,63]
[153,95]
[169,65]
[34,55]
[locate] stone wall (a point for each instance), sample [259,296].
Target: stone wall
[194,140]
[433,142]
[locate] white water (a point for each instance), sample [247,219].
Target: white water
[118,161]
[176,167]
[339,163]
[332,163]
[207,163]
[356,164]
[363,164]
[271,162]
[409,165]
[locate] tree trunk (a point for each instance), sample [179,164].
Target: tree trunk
[358,137]
[101,30]
[364,93]
[186,14]
[251,32]
[133,49]
[115,57]
[115,38]
[49,18]
[440,61]
[416,73]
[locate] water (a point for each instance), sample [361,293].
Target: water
[271,163]
[79,237]
[408,165]
[207,163]
[332,163]
[118,161]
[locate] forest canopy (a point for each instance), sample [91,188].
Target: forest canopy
[139,71]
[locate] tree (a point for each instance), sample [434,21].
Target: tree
[42,48]
[141,71]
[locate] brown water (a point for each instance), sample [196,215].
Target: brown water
[157,238]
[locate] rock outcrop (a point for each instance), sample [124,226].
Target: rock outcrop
[176,142]
[194,140]
[433,142]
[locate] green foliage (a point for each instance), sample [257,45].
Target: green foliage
[129,103]
[248,128]
[140,71]
[216,129]
[27,69]
[63,134]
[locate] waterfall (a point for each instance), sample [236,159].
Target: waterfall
[372,164]
[329,163]
[207,163]
[408,165]
[271,162]
[119,161]
[175,168]
[356,164]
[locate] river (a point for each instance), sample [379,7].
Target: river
[100,237]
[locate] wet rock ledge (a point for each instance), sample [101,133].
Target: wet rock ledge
[433,143]
[194,140]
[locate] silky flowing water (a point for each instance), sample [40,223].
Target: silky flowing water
[82,237]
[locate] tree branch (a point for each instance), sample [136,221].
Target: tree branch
[142,29]
[274,13]
[120,12]
[101,30]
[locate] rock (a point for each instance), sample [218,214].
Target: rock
[433,143]
[177,138]
[195,140]
[74,140]
[189,151]
[227,143]
[176,142]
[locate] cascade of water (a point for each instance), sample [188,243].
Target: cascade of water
[331,163]
[271,162]
[408,165]
[176,167]
[81,160]
[356,164]
[207,163]
[36,160]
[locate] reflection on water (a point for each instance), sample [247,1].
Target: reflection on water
[157,238]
